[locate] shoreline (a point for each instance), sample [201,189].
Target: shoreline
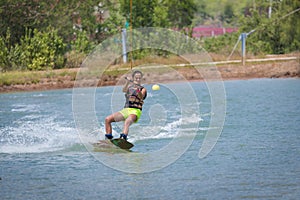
[282,69]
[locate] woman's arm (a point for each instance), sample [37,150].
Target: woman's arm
[125,87]
[142,93]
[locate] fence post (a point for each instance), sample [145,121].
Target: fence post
[124,45]
[243,38]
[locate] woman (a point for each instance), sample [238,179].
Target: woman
[135,95]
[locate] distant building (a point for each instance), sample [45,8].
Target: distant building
[209,31]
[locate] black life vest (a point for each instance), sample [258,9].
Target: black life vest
[132,98]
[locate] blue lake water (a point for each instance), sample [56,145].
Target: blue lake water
[45,152]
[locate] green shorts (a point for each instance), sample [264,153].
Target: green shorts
[131,111]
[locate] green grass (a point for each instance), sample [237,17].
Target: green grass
[19,78]
[32,77]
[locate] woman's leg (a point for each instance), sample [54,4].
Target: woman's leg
[131,118]
[115,117]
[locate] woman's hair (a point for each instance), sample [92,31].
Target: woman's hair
[136,72]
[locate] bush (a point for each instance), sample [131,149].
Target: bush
[81,43]
[3,55]
[223,43]
[36,51]
[43,51]
[74,59]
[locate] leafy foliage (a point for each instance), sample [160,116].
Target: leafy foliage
[77,26]
[275,34]
[36,51]
[181,13]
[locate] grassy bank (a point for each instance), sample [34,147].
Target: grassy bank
[33,77]
[67,76]
[36,77]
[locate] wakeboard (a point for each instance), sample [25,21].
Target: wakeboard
[118,142]
[123,144]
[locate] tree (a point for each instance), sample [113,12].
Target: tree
[140,13]
[63,16]
[181,12]
[278,34]
[290,33]
[16,15]
[160,16]
[201,15]
[163,13]
[228,15]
